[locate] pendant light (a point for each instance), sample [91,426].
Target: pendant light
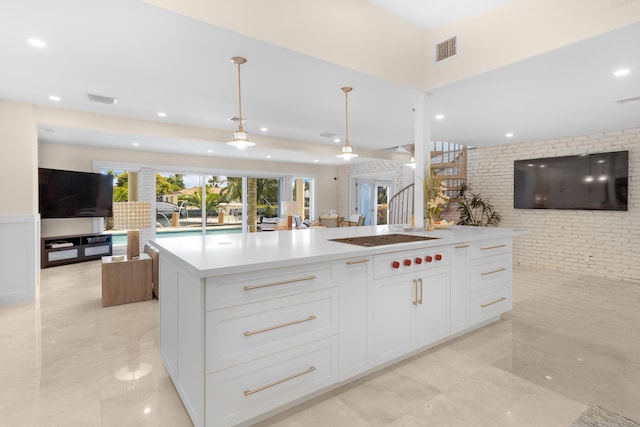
[347,150]
[240,138]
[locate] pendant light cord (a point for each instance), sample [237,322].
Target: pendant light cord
[239,101]
[346,91]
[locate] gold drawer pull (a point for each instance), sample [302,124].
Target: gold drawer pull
[362,261]
[493,302]
[493,271]
[271,328]
[283,282]
[492,247]
[290,377]
[462,246]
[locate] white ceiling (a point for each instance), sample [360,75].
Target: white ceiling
[153,60]
[431,14]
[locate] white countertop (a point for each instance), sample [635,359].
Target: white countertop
[222,254]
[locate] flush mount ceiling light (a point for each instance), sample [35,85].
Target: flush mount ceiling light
[37,43]
[621,72]
[347,150]
[240,138]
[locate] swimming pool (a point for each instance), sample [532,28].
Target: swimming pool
[121,239]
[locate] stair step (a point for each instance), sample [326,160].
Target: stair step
[445,165]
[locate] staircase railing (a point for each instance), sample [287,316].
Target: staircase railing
[401,206]
[449,161]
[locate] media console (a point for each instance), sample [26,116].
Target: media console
[60,250]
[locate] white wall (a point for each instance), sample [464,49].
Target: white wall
[378,169]
[59,156]
[560,239]
[19,221]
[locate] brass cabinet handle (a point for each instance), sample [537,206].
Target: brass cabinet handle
[492,247]
[362,261]
[415,292]
[493,271]
[283,282]
[493,302]
[462,246]
[290,377]
[420,300]
[271,328]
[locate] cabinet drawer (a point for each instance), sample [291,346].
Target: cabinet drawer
[259,286]
[489,248]
[62,255]
[418,260]
[489,271]
[245,391]
[484,305]
[97,250]
[254,330]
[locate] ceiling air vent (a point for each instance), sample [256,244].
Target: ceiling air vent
[446,49]
[102,99]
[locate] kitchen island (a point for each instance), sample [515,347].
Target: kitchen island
[251,324]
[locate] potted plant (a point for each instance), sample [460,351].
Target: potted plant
[476,211]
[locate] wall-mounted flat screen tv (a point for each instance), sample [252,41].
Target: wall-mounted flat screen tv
[70,194]
[587,181]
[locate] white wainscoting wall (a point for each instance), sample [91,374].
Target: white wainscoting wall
[19,258]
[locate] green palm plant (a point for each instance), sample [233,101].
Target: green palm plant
[213,200]
[476,211]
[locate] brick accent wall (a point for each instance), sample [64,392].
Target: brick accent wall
[602,243]
[375,170]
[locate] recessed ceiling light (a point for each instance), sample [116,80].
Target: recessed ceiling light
[336,140]
[162,114]
[136,144]
[439,116]
[264,129]
[54,98]
[509,135]
[268,157]
[37,43]
[315,160]
[621,72]
[209,151]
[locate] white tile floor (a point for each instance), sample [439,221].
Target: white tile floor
[571,341]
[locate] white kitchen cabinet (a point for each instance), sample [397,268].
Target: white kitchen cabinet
[459,288]
[393,316]
[432,313]
[410,307]
[251,324]
[490,280]
[355,279]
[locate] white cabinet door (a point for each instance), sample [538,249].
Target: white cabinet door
[355,278]
[432,312]
[459,288]
[393,313]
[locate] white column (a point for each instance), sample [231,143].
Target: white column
[422,134]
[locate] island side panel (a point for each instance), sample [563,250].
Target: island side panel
[182,333]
